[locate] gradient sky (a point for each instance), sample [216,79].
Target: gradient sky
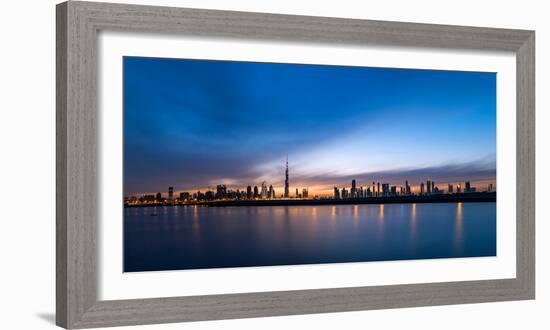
[193,124]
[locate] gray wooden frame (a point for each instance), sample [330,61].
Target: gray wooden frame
[77,150]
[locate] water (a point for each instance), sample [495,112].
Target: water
[191,237]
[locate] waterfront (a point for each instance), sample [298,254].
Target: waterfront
[194,237]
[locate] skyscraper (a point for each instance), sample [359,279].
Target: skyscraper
[264,190]
[271,192]
[422,188]
[249,192]
[170,193]
[336,193]
[407,188]
[450,191]
[385,189]
[428,187]
[287,192]
[256,195]
[297,193]
[467,187]
[353,189]
[305,193]
[221,191]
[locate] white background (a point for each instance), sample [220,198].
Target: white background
[27,137]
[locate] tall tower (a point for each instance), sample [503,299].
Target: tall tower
[170,193]
[287,193]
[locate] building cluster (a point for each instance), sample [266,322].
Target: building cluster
[378,189]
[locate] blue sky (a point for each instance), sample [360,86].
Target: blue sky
[193,124]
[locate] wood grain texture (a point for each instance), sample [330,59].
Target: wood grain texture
[77,150]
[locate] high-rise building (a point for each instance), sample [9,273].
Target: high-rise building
[345,193]
[385,189]
[256,194]
[407,188]
[184,195]
[336,193]
[378,191]
[170,193]
[428,187]
[305,193]
[158,197]
[353,189]
[490,187]
[221,191]
[422,188]
[450,191]
[249,192]
[287,192]
[264,190]
[393,190]
[271,192]
[297,193]
[458,189]
[467,187]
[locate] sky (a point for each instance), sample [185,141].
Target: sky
[193,124]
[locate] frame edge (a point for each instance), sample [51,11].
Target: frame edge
[61,289]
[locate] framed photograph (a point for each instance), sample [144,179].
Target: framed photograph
[216,165]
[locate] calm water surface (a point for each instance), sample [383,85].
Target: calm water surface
[188,237]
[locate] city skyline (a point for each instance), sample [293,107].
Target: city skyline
[193,124]
[356,190]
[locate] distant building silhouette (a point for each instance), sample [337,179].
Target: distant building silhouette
[385,189]
[221,191]
[336,193]
[287,192]
[271,192]
[170,193]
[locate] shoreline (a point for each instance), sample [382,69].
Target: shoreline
[454,198]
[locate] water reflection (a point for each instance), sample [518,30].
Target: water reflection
[381,212]
[412,236]
[459,228]
[193,237]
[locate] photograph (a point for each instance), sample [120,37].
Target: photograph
[243,164]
